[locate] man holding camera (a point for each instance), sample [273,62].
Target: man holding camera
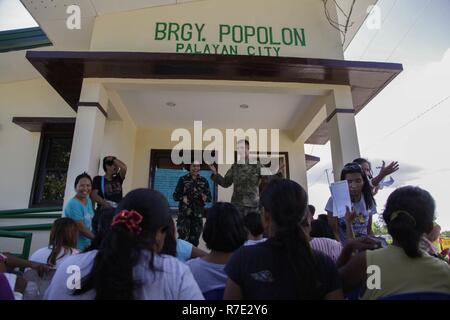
[107,191]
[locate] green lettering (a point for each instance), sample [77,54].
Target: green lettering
[300,38]
[197,51]
[224,50]
[206,50]
[241,36]
[251,50]
[224,29]
[160,30]
[179,47]
[277,51]
[189,48]
[173,29]
[216,48]
[271,37]
[286,35]
[199,31]
[262,35]
[249,32]
[234,50]
[186,32]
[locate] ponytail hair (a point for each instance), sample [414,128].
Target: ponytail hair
[138,218]
[409,213]
[286,202]
[63,236]
[170,241]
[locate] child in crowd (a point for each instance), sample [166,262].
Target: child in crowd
[179,248]
[62,244]
[128,264]
[255,229]
[283,266]
[224,233]
[404,268]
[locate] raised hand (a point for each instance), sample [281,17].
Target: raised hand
[391,168]
[350,215]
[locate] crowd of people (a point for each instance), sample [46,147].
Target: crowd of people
[268,245]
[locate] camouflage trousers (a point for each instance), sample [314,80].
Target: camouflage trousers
[189,227]
[246,210]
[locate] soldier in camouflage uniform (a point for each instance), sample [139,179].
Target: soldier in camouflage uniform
[245,179]
[192,192]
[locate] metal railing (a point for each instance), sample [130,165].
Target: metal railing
[17,231]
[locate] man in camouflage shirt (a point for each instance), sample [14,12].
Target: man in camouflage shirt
[245,178]
[192,192]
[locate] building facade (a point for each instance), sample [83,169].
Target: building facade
[135,72]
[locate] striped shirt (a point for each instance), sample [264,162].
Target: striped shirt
[329,247]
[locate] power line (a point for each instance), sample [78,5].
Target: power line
[336,24]
[409,122]
[378,32]
[409,29]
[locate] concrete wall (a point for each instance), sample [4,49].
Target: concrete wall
[19,147]
[135,30]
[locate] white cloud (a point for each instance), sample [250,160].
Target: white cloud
[421,147]
[13,15]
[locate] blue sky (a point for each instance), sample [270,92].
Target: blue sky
[20,19]
[405,122]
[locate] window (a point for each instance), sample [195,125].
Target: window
[164,177]
[52,165]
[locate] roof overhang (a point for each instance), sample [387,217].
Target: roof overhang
[36,124]
[65,71]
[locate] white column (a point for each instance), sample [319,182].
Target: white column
[297,163]
[342,129]
[88,135]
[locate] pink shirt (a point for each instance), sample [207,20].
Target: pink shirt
[329,247]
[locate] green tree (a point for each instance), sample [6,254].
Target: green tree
[445,234]
[379,228]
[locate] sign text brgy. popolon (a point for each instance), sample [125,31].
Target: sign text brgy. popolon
[230,39]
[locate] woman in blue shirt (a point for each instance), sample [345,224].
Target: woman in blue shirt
[81,210]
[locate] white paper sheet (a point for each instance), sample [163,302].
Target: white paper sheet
[341,198]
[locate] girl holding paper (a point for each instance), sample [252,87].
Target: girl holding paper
[358,221]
